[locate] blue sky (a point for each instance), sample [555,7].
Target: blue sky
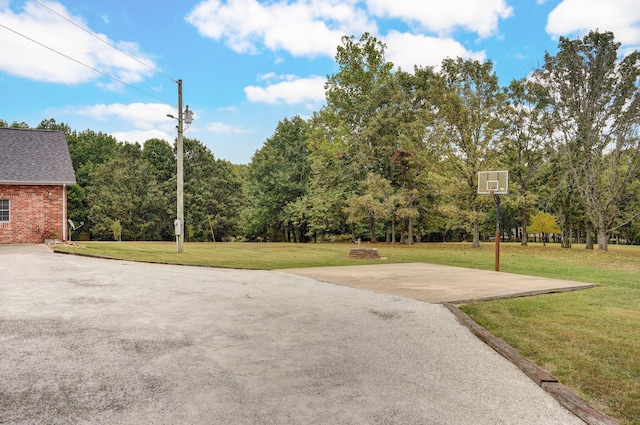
[248,64]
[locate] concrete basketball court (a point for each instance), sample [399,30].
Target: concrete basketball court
[92,341]
[438,284]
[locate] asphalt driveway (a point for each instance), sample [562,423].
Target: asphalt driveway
[90,341]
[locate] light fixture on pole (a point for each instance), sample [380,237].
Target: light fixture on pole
[186,117]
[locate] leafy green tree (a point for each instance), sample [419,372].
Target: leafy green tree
[348,133]
[373,123]
[526,135]
[159,156]
[468,126]
[123,189]
[51,124]
[356,95]
[227,202]
[371,204]
[411,161]
[544,223]
[595,101]
[278,176]
[116,228]
[211,190]
[332,179]
[449,220]
[88,151]
[556,192]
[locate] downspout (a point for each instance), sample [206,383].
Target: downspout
[64,212]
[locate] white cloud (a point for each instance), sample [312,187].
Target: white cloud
[268,76]
[228,109]
[149,120]
[291,91]
[220,127]
[25,58]
[142,136]
[272,76]
[406,50]
[442,17]
[141,115]
[315,27]
[578,17]
[300,27]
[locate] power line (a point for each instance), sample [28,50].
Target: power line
[105,41]
[85,65]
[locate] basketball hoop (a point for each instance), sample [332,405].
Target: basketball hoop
[494,183]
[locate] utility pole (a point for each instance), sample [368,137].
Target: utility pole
[186,117]
[180,175]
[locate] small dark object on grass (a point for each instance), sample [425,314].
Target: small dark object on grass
[363,253]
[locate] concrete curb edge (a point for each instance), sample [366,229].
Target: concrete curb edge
[166,263]
[523,294]
[550,384]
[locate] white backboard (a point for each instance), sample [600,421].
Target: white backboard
[493,182]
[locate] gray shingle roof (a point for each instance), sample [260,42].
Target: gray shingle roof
[35,157]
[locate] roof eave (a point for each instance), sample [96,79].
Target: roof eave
[37,183]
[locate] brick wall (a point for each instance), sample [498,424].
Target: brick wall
[35,212]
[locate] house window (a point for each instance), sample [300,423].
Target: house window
[4,210]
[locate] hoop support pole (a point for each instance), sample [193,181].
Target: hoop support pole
[498,251]
[497,263]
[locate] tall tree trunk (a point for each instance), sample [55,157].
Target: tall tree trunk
[603,238]
[476,234]
[393,229]
[372,228]
[410,239]
[525,233]
[589,237]
[566,237]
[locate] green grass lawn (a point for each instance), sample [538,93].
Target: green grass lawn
[589,340]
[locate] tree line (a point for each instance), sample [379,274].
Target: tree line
[394,156]
[134,187]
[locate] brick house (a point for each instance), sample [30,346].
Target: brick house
[35,170]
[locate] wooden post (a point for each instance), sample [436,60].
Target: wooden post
[498,251]
[497,199]
[211,227]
